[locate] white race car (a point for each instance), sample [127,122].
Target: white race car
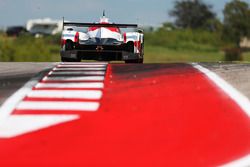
[101,41]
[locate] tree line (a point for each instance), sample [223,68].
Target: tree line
[196,14]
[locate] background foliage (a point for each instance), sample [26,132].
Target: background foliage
[197,35]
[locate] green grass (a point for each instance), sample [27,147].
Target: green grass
[155,54]
[184,46]
[246,56]
[28,48]
[198,40]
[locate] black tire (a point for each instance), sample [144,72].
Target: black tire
[63,59]
[142,51]
[142,54]
[69,45]
[141,61]
[78,59]
[130,47]
[137,61]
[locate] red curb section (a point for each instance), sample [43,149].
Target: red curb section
[150,115]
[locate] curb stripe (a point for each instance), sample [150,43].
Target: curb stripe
[65,106]
[37,99]
[243,162]
[84,63]
[79,65]
[67,88]
[242,101]
[79,69]
[238,97]
[74,78]
[9,105]
[80,94]
[97,85]
[79,73]
[16,125]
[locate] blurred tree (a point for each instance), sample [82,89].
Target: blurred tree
[214,25]
[192,14]
[236,21]
[168,26]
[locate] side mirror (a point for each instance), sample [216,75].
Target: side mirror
[140,30]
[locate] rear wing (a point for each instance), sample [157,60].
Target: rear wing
[99,25]
[75,24]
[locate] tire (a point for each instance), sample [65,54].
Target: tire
[137,61]
[69,45]
[63,59]
[141,61]
[142,54]
[130,47]
[142,51]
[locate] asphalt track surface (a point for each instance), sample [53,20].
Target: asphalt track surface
[100,114]
[14,75]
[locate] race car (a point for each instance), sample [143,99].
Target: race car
[102,41]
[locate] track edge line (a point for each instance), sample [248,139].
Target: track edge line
[241,100]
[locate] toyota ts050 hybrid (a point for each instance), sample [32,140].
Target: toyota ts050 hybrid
[101,41]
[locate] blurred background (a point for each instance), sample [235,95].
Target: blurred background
[175,30]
